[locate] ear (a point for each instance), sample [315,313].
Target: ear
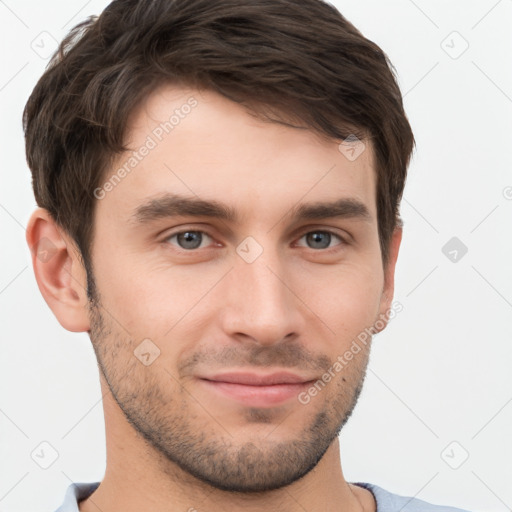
[58,270]
[389,278]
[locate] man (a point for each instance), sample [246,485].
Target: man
[219,188]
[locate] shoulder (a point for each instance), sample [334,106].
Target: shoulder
[75,493]
[390,502]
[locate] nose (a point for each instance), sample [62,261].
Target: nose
[259,303]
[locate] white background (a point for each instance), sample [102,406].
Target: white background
[439,373]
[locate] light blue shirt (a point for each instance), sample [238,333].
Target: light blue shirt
[386,501]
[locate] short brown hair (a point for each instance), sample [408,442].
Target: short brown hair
[301,60]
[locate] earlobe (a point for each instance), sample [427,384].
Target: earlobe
[58,270]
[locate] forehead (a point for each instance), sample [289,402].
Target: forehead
[192,142]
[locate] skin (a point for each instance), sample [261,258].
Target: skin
[174,444]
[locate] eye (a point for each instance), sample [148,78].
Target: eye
[321,239]
[192,239]
[188,240]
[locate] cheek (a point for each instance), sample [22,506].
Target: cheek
[346,300]
[149,297]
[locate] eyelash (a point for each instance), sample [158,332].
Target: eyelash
[342,240]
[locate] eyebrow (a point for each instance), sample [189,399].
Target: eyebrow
[172,205]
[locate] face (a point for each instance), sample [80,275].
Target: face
[227,291]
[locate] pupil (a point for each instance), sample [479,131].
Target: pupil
[316,238]
[191,239]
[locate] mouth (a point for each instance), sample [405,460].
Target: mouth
[257,390]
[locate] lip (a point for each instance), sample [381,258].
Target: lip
[257,390]
[255,379]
